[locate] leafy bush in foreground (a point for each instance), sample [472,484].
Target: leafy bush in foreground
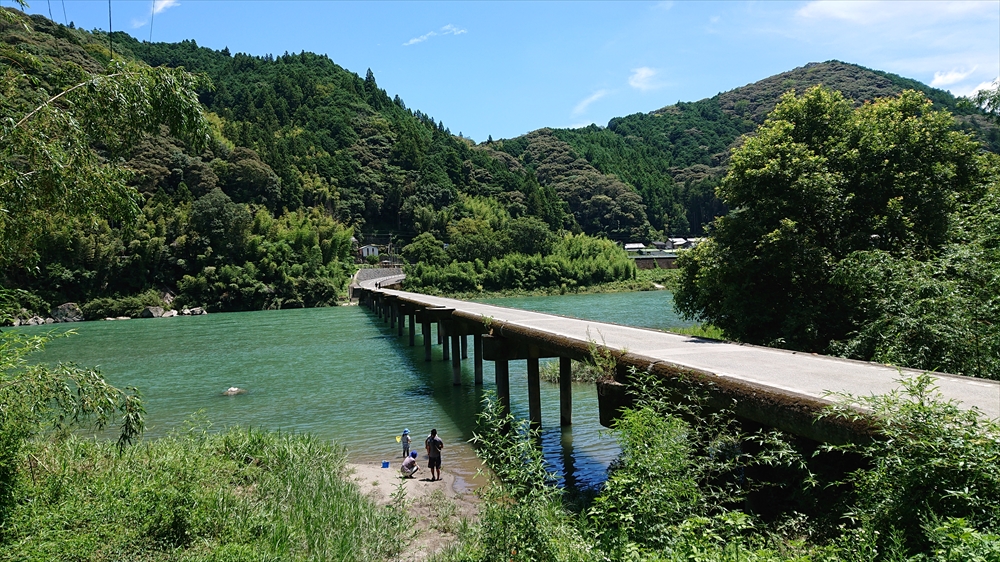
[929,491]
[936,468]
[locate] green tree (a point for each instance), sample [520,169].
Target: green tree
[425,249]
[59,153]
[818,181]
[989,100]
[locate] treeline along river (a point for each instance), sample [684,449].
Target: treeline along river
[339,373]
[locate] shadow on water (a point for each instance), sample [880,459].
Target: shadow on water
[579,454]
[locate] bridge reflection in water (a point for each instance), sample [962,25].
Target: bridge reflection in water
[775,388]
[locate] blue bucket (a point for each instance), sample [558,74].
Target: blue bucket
[385,464]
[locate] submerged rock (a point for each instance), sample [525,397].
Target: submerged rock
[234,390]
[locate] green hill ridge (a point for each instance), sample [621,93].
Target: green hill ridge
[306,154]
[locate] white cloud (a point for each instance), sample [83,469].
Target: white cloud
[950,77]
[971,91]
[581,125]
[446,30]
[420,39]
[582,106]
[642,79]
[160,5]
[451,30]
[872,13]
[987,85]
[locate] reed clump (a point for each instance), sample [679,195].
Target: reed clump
[242,494]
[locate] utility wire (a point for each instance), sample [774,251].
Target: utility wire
[152,14]
[111,42]
[50,10]
[65,19]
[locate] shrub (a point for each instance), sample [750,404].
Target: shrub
[131,306]
[934,461]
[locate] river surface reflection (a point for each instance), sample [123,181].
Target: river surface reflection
[340,374]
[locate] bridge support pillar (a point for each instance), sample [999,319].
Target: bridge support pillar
[456,360]
[534,394]
[465,346]
[401,313]
[425,330]
[440,333]
[477,361]
[413,328]
[443,337]
[565,391]
[392,310]
[502,368]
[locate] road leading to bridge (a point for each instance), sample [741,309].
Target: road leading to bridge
[782,372]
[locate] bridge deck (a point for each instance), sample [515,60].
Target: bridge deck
[802,374]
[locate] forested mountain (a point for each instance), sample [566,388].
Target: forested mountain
[675,156]
[305,154]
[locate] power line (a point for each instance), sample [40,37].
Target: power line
[152,13]
[111,42]
[65,19]
[50,10]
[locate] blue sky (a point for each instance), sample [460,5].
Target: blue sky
[506,68]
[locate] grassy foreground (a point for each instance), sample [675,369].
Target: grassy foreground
[240,495]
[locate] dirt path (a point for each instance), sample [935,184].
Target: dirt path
[437,508]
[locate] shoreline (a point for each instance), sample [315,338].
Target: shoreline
[438,508]
[644,282]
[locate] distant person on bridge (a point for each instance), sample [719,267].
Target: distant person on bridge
[433,444]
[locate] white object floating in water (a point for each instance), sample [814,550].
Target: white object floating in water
[234,390]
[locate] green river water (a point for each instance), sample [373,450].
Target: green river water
[339,373]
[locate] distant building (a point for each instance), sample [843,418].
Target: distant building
[369,250]
[652,259]
[634,246]
[661,245]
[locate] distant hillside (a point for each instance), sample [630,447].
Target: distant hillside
[674,156]
[305,154]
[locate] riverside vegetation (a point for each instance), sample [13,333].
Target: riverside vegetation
[689,478]
[302,154]
[870,233]
[245,207]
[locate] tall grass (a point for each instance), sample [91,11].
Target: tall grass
[240,495]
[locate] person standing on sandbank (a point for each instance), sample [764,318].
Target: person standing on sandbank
[405,440]
[433,444]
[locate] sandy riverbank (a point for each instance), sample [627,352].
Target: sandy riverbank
[437,507]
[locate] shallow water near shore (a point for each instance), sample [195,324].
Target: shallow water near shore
[341,374]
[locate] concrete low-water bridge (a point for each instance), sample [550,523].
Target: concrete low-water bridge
[772,387]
